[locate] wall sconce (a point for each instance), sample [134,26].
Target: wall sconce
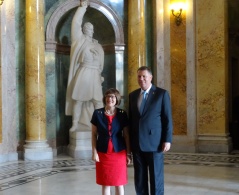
[1,2]
[178,16]
[177,9]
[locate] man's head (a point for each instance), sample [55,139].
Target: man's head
[88,29]
[144,77]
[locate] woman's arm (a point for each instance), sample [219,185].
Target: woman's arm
[95,156]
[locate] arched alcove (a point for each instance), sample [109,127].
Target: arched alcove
[96,9]
[57,45]
[69,5]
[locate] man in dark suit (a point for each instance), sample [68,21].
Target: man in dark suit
[151,130]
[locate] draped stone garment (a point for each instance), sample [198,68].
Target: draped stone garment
[86,65]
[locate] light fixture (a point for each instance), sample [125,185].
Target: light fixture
[1,2]
[178,16]
[177,9]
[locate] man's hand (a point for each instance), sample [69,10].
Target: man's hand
[166,146]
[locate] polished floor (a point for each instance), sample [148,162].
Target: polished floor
[185,174]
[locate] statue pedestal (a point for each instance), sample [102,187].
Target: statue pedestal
[80,145]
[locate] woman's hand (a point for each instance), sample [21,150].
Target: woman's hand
[95,157]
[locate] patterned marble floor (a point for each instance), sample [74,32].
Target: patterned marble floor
[194,174]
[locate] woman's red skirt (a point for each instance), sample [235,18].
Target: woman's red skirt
[112,169]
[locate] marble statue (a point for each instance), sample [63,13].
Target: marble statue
[84,88]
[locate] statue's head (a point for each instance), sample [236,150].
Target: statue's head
[88,29]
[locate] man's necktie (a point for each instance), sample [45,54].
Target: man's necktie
[142,102]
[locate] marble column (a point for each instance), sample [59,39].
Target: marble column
[136,41]
[119,64]
[9,100]
[178,72]
[0,80]
[212,76]
[36,147]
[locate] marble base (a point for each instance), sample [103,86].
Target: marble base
[8,157]
[183,144]
[214,144]
[37,150]
[80,145]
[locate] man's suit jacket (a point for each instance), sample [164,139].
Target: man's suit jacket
[149,130]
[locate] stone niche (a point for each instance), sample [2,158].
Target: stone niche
[108,30]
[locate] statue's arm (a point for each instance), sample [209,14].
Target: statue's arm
[76,31]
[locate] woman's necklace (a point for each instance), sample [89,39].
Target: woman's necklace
[110,112]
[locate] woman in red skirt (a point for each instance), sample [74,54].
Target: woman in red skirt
[110,144]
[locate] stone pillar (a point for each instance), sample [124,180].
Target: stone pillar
[119,69]
[0,79]
[178,53]
[9,105]
[136,41]
[212,76]
[36,147]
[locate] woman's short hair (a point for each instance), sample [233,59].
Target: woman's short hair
[115,92]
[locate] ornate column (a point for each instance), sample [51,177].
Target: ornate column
[136,41]
[119,69]
[36,147]
[0,76]
[178,53]
[212,76]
